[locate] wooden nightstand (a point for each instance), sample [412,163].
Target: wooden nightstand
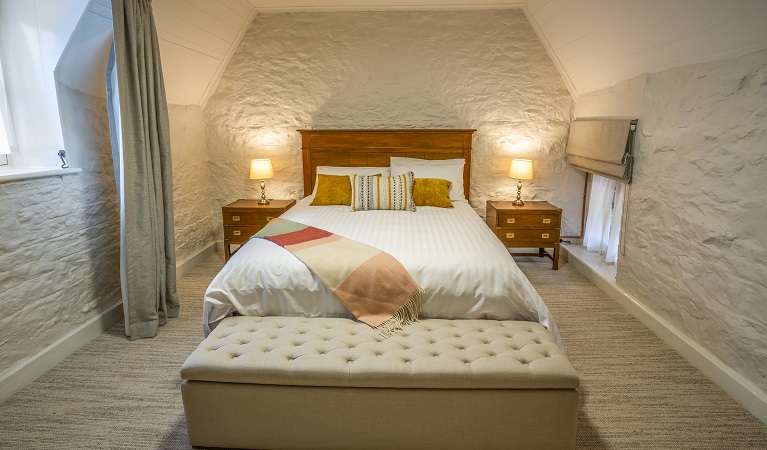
[244,218]
[534,224]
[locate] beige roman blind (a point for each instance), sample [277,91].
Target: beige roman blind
[603,147]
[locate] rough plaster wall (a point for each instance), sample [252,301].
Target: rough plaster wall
[448,69]
[191,181]
[59,250]
[696,241]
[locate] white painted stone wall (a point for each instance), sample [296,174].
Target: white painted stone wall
[59,250]
[191,181]
[59,244]
[448,69]
[696,240]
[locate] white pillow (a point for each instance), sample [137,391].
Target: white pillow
[336,170]
[446,169]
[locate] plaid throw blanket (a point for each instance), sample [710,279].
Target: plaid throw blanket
[372,285]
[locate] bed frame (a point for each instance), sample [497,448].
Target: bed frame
[373,148]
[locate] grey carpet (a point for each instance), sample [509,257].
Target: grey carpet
[636,392]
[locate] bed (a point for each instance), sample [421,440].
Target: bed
[476,305]
[464,269]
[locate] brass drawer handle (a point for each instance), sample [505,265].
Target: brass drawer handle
[235,218]
[237,232]
[545,236]
[509,235]
[510,220]
[269,219]
[546,220]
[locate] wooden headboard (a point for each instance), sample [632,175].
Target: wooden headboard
[372,148]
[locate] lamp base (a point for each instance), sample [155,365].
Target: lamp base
[518,201]
[263,200]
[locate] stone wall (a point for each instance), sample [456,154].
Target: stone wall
[448,69]
[60,243]
[696,240]
[191,182]
[59,250]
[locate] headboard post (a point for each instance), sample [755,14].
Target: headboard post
[370,148]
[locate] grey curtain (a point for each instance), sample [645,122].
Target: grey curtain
[141,144]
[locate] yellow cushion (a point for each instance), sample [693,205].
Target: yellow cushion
[432,192]
[333,190]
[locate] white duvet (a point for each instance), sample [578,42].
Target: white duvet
[465,271]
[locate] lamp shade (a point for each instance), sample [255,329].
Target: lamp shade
[521,169]
[261,169]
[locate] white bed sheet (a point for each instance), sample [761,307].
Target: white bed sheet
[465,271]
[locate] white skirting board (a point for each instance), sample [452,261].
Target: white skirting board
[183,267]
[738,387]
[29,370]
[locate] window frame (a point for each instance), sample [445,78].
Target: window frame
[6,122]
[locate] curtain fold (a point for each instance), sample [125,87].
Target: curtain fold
[611,252]
[143,170]
[603,221]
[598,219]
[7,137]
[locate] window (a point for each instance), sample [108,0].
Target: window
[7,141]
[603,221]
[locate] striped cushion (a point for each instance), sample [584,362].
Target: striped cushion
[372,192]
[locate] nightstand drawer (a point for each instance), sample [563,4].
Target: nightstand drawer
[534,224]
[248,218]
[244,218]
[528,221]
[512,237]
[241,233]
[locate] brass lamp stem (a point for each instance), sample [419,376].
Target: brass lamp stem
[264,201]
[519,201]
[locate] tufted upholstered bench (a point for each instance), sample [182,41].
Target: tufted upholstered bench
[283,382]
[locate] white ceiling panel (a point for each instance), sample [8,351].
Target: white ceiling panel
[598,43]
[240,7]
[187,31]
[362,5]
[197,40]
[198,18]
[187,73]
[101,8]
[536,5]
[221,12]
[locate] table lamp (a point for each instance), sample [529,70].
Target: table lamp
[521,169]
[261,169]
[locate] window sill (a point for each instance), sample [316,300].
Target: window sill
[15,174]
[592,260]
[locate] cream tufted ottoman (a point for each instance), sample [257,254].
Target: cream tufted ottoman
[284,382]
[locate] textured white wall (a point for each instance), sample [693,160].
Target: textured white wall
[60,243]
[59,250]
[696,240]
[191,181]
[447,69]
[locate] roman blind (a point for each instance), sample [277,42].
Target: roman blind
[603,147]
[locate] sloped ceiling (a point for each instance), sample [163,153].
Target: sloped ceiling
[361,5]
[197,39]
[597,43]
[594,43]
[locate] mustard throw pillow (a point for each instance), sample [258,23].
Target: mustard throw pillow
[432,192]
[333,190]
